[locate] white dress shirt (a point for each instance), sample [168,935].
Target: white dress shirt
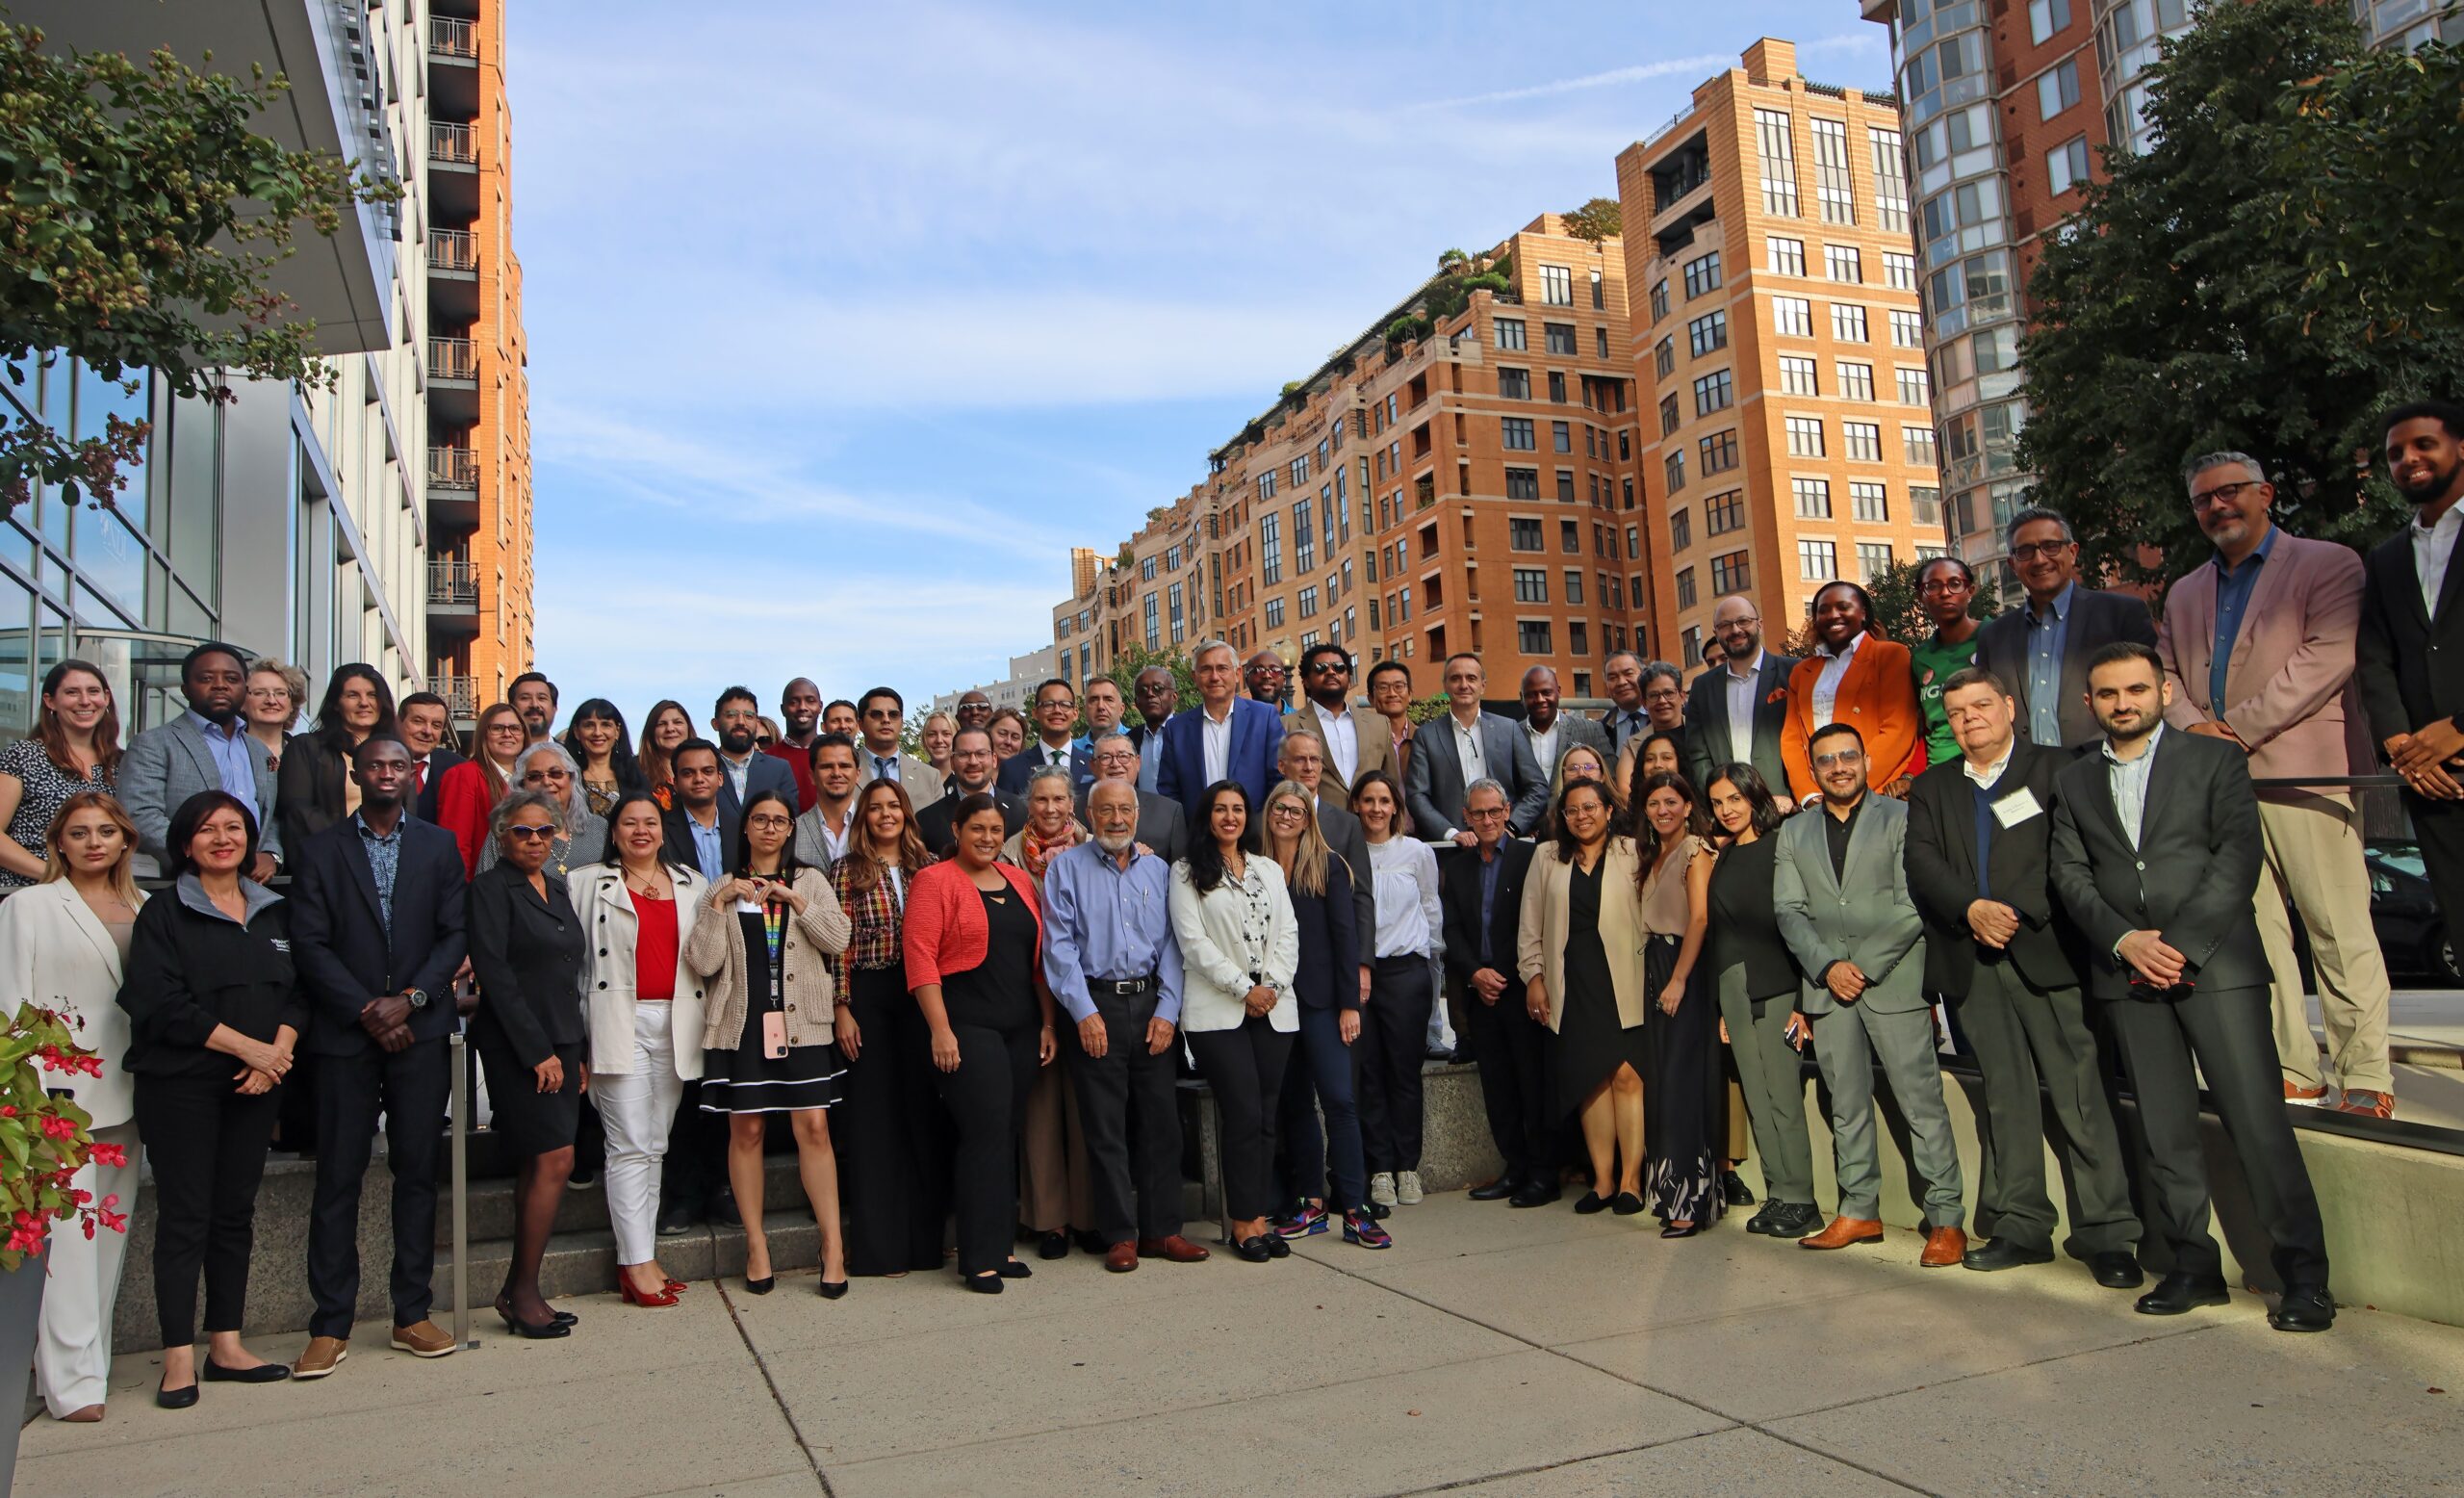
[1467,749]
[736,771]
[1217,741]
[1741,706]
[2434,547]
[1342,741]
[1544,747]
[1991,775]
[1835,669]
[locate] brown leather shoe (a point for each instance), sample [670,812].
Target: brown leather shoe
[1121,1257]
[1943,1248]
[1843,1231]
[427,1339]
[1176,1249]
[320,1357]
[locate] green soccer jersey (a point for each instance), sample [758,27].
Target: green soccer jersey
[1936,662]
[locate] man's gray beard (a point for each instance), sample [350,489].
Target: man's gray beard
[1115,845]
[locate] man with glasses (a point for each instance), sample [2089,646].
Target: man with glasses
[1056,709]
[974,710]
[880,715]
[1162,830]
[1738,713]
[1625,719]
[743,768]
[1265,679]
[972,768]
[2258,648]
[1156,692]
[1944,591]
[1355,737]
[2043,648]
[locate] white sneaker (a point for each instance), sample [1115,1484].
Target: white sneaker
[1408,1188]
[1381,1189]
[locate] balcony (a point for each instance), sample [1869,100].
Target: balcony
[453,380]
[452,170]
[452,489]
[453,249]
[452,596]
[448,37]
[451,144]
[453,468]
[452,277]
[461,694]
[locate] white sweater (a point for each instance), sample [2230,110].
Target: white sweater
[1409,919]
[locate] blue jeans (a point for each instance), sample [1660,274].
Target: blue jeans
[1321,1077]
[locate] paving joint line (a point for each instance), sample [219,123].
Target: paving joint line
[762,1364]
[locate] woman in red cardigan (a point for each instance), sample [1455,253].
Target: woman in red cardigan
[472,788]
[974,941]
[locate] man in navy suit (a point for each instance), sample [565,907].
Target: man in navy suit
[376,906]
[426,724]
[1056,709]
[1228,737]
[736,720]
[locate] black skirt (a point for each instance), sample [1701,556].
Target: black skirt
[1683,1094]
[744,1080]
[531,1122]
[1592,1041]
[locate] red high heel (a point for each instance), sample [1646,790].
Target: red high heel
[665,1296]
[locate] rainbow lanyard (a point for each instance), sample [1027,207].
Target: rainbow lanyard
[774,934]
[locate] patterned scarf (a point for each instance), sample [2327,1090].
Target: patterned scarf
[1036,853]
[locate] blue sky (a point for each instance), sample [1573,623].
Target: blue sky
[846,323]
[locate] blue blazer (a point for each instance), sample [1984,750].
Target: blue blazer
[340,948]
[1257,740]
[766,773]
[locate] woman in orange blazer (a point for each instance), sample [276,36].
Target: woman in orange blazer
[1876,695]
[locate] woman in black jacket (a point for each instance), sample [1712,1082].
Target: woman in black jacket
[215,1011]
[1756,981]
[312,790]
[526,951]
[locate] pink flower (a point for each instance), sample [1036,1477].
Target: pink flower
[113,1155]
[57,1126]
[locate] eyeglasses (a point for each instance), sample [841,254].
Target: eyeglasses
[771,822]
[1286,808]
[1664,695]
[1725,625]
[1326,668]
[1839,761]
[2035,548]
[2223,493]
[1939,590]
[522,833]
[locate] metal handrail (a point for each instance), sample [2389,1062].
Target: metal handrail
[460,1051]
[453,468]
[452,37]
[448,142]
[453,249]
[452,358]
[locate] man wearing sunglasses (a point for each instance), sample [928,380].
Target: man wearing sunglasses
[2042,649]
[1356,737]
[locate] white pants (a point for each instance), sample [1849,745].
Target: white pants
[634,1111]
[74,1351]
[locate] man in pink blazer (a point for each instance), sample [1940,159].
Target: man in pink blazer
[2258,647]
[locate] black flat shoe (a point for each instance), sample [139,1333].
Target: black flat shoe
[1015,1270]
[1255,1249]
[1591,1201]
[1496,1190]
[1054,1245]
[175,1399]
[2003,1254]
[2177,1293]
[1733,1188]
[264,1373]
[1276,1247]
[1627,1205]
[833,1289]
[761,1286]
[984,1284]
[2116,1270]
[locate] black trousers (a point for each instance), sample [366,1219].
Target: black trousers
[2033,1046]
[1392,1045]
[2230,1034]
[893,1143]
[208,1145]
[988,1102]
[1512,1049]
[1131,1124]
[410,1087]
[694,1170]
[2440,827]
[1244,1068]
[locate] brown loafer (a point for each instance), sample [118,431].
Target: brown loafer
[1176,1249]
[1943,1248]
[1843,1231]
[1121,1257]
[426,1339]
[320,1358]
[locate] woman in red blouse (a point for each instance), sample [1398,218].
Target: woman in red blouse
[470,790]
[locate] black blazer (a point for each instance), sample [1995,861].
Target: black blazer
[308,789]
[1161,826]
[344,952]
[1342,832]
[1941,873]
[935,821]
[679,836]
[1329,971]
[1745,923]
[190,968]
[2409,662]
[527,953]
[1705,742]
[1011,777]
[1459,895]
[439,761]
[2097,620]
[2193,878]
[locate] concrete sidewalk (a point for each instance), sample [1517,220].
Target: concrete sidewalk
[1494,1350]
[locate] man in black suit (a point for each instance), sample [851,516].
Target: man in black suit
[425,723]
[1156,692]
[1995,946]
[2409,655]
[1483,898]
[377,907]
[2155,854]
[2043,648]
[1750,684]
[972,767]
[701,828]
[1161,829]
[743,768]
[1056,709]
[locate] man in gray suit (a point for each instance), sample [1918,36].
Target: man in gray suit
[206,748]
[1840,892]
[1736,712]
[1161,829]
[1466,744]
[2043,648]
[1552,733]
[880,716]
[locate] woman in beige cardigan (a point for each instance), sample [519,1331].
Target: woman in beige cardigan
[1581,957]
[767,1037]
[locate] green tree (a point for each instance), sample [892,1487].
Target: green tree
[140,222]
[2275,271]
[1130,660]
[1596,221]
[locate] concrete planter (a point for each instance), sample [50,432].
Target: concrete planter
[20,1313]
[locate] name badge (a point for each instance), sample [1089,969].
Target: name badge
[2020,805]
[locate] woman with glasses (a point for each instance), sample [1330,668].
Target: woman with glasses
[667,726]
[1683,1091]
[271,699]
[1582,761]
[467,795]
[313,788]
[74,749]
[603,751]
[581,835]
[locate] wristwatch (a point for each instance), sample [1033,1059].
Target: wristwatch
[417,997]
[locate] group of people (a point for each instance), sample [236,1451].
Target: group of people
[970,973]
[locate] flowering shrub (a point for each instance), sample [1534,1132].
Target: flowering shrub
[44,1138]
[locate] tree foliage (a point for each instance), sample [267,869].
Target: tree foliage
[1131,659]
[140,222]
[1596,221]
[1898,614]
[2278,267]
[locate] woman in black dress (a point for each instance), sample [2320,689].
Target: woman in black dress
[1684,1095]
[526,951]
[1755,981]
[766,1032]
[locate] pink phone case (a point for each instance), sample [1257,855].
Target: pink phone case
[774,1036]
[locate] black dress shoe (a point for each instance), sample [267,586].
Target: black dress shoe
[175,1399]
[2179,1292]
[1014,1269]
[1496,1190]
[1256,1249]
[1089,1242]
[2303,1310]
[1591,1201]
[2003,1254]
[1627,1205]
[982,1284]
[1053,1244]
[2116,1270]
[1791,1219]
[1733,1188]
[1533,1193]
[1278,1247]
[263,1373]
[673,1222]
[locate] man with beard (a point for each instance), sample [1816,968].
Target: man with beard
[822,833]
[1265,679]
[1156,693]
[974,710]
[1161,828]
[206,748]
[2042,649]
[1550,732]
[535,697]
[799,725]
[1356,740]
[736,720]
[1739,711]
[972,767]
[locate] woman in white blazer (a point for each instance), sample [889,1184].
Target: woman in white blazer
[1240,947]
[62,943]
[644,1008]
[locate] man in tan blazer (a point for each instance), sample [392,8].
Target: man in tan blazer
[2258,646]
[881,715]
[1357,739]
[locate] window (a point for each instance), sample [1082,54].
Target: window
[1908,330]
[1685,588]
[1864,441]
[1599,337]
[1925,504]
[1779,153]
[1515,433]
[1304,540]
[1403,609]
[1561,338]
[1171,558]
[1523,483]
[1873,559]
[1557,286]
[1834,185]
[1301,470]
[2058,88]
[1899,271]
[1147,569]
[1598,294]
[1870,501]
[1573,585]
[1702,276]
[1266,484]
[1731,574]
[1274,613]
[1673,471]
[1510,334]
[1842,263]
[1154,629]
[1707,332]
[1915,388]
[1723,513]
[1719,451]
[1531,586]
[1514,384]
[1681,535]
[1669,418]
[1533,636]
[1270,549]
[1784,257]
[1558,387]
[1561,435]
[1848,322]
[1805,436]
[1797,375]
[2066,165]
[2045,17]
[1919,443]
[1712,393]
[1817,561]
[1791,317]
[1664,358]
[1856,380]
[1891,178]
[1659,299]
[1965,206]
[1523,535]
[1813,498]
[1309,601]
[1569,538]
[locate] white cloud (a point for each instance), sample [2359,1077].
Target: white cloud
[1694,66]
